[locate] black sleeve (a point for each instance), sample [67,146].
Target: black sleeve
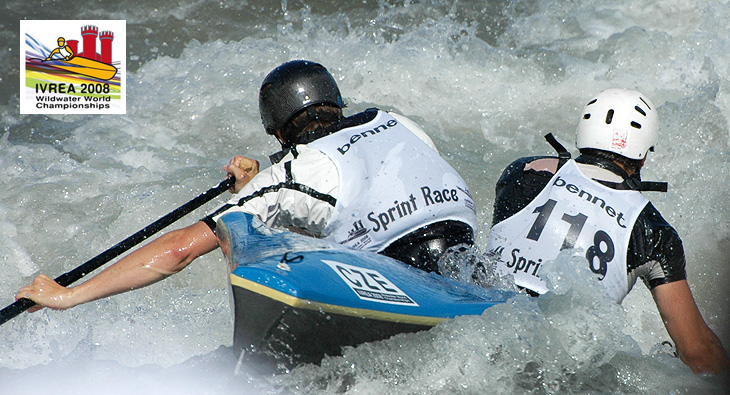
[209,221]
[209,218]
[516,188]
[656,249]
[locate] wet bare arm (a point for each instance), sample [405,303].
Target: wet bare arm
[697,345]
[153,262]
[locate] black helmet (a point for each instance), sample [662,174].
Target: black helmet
[292,87]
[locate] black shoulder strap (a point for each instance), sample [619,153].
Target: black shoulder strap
[563,154]
[629,183]
[277,157]
[636,185]
[287,171]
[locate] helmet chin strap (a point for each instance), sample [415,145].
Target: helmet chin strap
[285,149]
[280,140]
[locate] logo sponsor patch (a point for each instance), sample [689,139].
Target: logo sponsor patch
[370,285]
[620,138]
[72,67]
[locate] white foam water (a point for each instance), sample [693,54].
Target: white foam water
[485,80]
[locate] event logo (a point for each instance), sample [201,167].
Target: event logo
[72,67]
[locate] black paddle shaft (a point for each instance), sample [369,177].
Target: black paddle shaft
[96,262]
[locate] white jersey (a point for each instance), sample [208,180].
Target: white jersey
[391,183]
[571,212]
[328,197]
[64,52]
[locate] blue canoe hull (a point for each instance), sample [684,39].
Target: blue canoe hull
[298,299]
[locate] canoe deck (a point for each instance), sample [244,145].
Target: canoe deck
[298,299]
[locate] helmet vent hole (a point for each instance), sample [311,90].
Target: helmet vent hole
[609,117]
[636,125]
[640,111]
[647,104]
[586,116]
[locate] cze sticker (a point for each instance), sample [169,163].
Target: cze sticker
[370,285]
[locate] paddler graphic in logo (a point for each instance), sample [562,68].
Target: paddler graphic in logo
[76,76]
[62,47]
[89,62]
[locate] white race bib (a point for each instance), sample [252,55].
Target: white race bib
[391,183]
[572,212]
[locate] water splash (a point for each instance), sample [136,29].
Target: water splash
[485,80]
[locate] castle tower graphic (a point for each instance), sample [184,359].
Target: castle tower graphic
[74,44]
[89,35]
[106,38]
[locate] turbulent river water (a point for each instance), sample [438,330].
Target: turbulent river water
[485,79]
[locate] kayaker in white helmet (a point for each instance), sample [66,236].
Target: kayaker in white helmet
[594,204]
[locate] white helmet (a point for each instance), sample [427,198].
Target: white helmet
[619,120]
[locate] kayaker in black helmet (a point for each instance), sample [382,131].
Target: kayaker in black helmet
[372,181]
